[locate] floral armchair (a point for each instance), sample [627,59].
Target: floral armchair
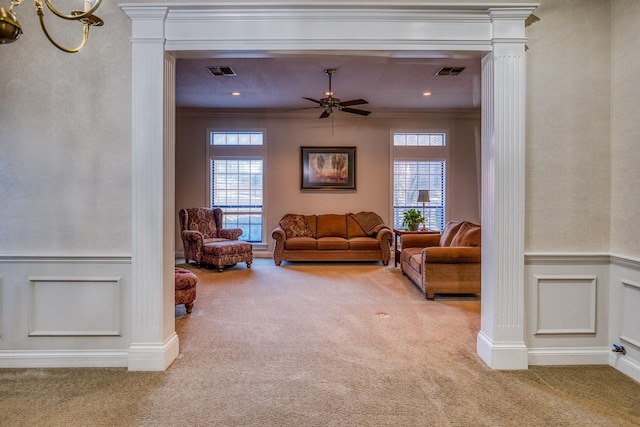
[206,242]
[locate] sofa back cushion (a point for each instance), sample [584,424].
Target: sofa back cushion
[354,229]
[312,223]
[449,232]
[468,235]
[331,225]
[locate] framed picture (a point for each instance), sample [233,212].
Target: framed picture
[328,168]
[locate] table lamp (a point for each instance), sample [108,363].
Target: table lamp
[423,196]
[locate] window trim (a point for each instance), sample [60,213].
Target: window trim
[234,152]
[427,153]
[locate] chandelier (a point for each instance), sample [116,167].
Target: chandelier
[10,29]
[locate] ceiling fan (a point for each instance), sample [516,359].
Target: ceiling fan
[330,103]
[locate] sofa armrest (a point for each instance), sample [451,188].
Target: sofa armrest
[419,240]
[279,236]
[230,233]
[451,255]
[385,235]
[385,238]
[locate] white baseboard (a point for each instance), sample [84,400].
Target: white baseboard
[569,356]
[63,359]
[626,365]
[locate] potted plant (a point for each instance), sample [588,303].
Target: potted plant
[412,219]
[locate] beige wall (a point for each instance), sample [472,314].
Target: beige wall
[65,139]
[65,166]
[625,141]
[286,133]
[568,128]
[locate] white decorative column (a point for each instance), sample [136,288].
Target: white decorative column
[154,341]
[501,339]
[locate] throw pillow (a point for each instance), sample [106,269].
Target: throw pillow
[468,235]
[295,226]
[449,232]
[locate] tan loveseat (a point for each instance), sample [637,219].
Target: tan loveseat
[446,263]
[331,237]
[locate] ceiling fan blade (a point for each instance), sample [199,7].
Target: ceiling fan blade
[353,102]
[356,111]
[324,114]
[303,108]
[313,100]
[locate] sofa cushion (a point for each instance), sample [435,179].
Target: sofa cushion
[412,257]
[332,243]
[364,243]
[331,225]
[295,226]
[468,235]
[449,232]
[300,243]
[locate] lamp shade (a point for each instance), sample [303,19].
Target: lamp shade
[423,196]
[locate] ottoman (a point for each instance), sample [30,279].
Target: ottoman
[185,292]
[227,252]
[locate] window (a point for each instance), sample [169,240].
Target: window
[237,180]
[419,163]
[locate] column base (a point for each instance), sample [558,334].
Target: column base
[152,356]
[505,356]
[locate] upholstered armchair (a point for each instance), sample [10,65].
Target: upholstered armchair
[206,242]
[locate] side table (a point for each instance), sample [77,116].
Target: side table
[397,232]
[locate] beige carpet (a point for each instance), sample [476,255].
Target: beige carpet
[321,345]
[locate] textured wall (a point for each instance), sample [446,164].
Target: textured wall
[625,149]
[65,166]
[568,127]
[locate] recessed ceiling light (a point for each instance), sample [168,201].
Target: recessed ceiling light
[426,93]
[235,93]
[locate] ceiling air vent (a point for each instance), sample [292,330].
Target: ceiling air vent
[449,71]
[222,71]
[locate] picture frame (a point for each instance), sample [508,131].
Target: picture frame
[328,168]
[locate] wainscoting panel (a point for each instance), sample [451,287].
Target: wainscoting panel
[625,315]
[65,310]
[567,308]
[1,311]
[630,313]
[68,306]
[566,305]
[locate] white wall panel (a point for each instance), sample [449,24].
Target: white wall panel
[624,324]
[566,305]
[630,313]
[567,308]
[81,306]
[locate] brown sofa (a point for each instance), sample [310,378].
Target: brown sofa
[446,263]
[332,237]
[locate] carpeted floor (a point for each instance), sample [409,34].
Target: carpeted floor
[321,345]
